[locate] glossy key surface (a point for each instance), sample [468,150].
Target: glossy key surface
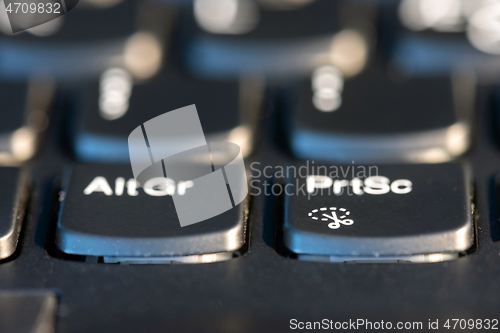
[121,220]
[227,111]
[381,211]
[376,117]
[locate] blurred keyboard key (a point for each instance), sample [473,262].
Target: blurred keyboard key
[376,117]
[430,38]
[13,198]
[252,39]
[27,311]
[87,40]
[416,213]
[105,214]
[100,131]
[23,118]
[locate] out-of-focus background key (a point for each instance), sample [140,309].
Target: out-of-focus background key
[87,40]
[106,111]
[428,37]
[379,117]
[230,38]
[24,110]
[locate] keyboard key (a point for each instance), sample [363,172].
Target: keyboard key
[431,41]
[227,109]
[13,197]
[87,40]
[415,213]
[374,117]
[105,214]
[27,311]
[23,118]
[275,43]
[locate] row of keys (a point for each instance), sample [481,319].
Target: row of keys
[342,112]
[345,111]
[230,38]
[434,127]
[377,118]
[249,38]
[410,213]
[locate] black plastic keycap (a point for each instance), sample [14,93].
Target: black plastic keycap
[400,212]
[374,117]
[227,111]
[120,222]
[263,41]
[88,39]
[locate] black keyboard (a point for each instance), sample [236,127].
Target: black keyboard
[367,132]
